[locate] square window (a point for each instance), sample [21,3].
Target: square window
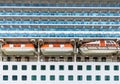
[34,67]
[61,67]
[116,78]
[61,77]
[79,77]
[52,67]
[14,67]
[116,67]
[43,67]
[89,78]
[98,67]
[79,67]
[70,67]
[5,67]
[52,77]
[14,77]
[43,77]
[5,77]
[98,78]
[24,77]
[89,67]
[70,77]
[107,67]
[33,77]
[24,67]
[107,78]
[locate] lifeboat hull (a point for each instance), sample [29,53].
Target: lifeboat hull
[85,51]
[18,51]
[57,51]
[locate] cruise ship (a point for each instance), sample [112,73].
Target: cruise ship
[59,41]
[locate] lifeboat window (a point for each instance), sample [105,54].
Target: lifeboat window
[103,59]
[17,45]
[95,59]
[69,59]
[11,46]
[56,45]
[86,59]
[78,59]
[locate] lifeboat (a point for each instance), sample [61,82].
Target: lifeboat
[18,49]
[101,47]
[57,49]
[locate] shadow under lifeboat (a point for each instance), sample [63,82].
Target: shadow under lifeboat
[100,47]
[18,49]
[57,49]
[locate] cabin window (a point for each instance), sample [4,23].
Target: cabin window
[14,67]
[78,59]
[43,67]
[107,67]
[70,77]
[24,77]
[33,77]
[18,59]
[88,77]
[118,59]
[103,59]
[95,59]
[79,77]
[98,67]
[46,59]
[86,59]
[116,78]
[26,59]
[34,67]
[79,67]
[52,67]
[88,67]
[8,58]
[70,67]
[69,59]
[43,77]
[5,77]
[116,67]
[24,67]
[5,67]
[61,58]
[14,77]
[107,78]
[61,77]
[52,77]
[52,58]
[98,77]
[61,67]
